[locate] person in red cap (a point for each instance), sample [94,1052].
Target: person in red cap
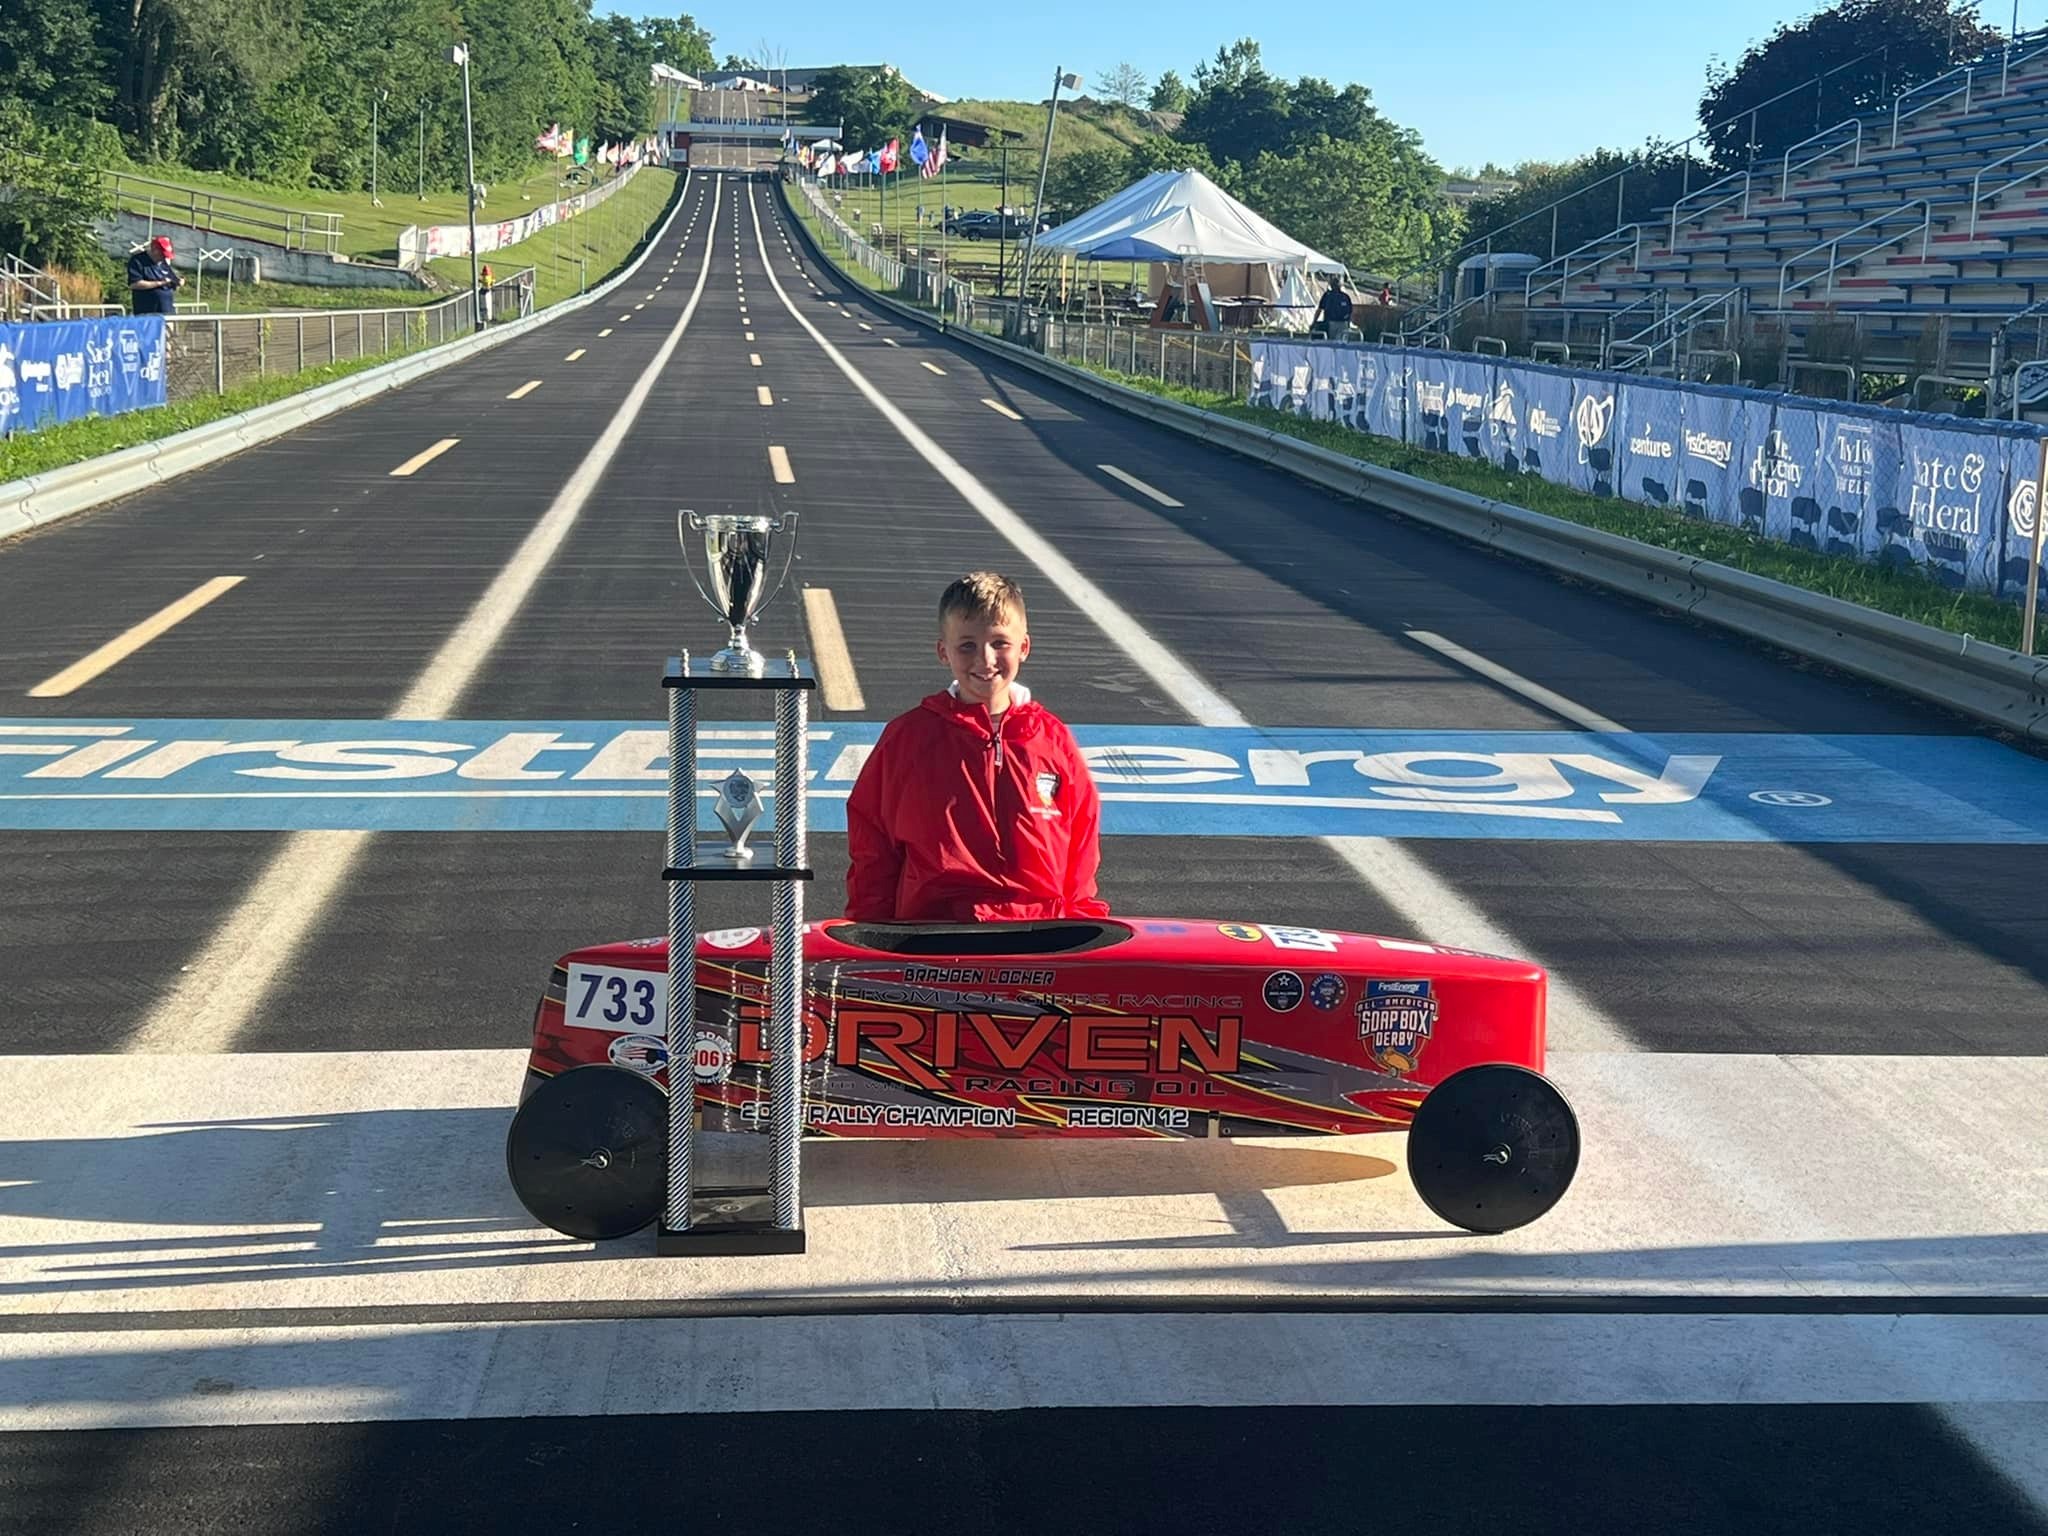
[976,806]
[151,281]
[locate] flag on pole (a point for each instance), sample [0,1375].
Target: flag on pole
[887,161]
[583,151]
[919,150]
[935,161]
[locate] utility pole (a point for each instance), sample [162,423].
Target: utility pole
[376,97]
[1071,82]
[459,54]
[423,149]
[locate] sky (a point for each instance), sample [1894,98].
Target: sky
[1481,79]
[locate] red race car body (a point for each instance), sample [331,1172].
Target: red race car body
[1079,1028]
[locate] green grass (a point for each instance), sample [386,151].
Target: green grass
[367,230]
[1081,125]
[609,243]
[254,298]
[1903,593]
[33,453]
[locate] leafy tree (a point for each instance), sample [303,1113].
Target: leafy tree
[1169,94]
[679,43]
[1352,200]
[1084,178]
[1164,154]
[50,56]
[1653,180]
[1238,110]
[54,190]
[622,60]
[871,105]
[736,61]
[1917,37]
[1124,85]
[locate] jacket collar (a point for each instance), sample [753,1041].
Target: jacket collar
[952,707]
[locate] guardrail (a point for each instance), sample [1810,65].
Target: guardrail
[219,213]
[1978,196]
[1787,287]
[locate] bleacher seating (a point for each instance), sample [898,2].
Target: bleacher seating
[1906,259]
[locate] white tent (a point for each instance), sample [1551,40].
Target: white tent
[1177,216]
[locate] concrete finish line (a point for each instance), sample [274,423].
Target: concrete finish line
[1163,781]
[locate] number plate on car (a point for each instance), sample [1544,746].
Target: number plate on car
[607,997]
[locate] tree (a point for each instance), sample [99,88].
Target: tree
[1238,110]
[1084,178]
[1170,94]
[1123,85]
[870,105]
[1620,187]
[1917,39]
[680,44]
[50,56]
[54,189]
[1152,154]
[1362,202]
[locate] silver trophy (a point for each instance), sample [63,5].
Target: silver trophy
[736,557]
[737,807]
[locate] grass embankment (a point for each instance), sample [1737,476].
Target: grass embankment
[1082,125]
[608,243]
[1887,589]
[1904,593]
[33,453]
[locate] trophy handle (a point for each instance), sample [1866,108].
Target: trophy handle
[788,519]
[688,523]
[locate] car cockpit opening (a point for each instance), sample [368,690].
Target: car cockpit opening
[1058,937]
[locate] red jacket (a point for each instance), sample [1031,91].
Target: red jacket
[954,821]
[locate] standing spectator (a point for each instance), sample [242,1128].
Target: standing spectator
[484,281]
[151,282]
[1386,295]
[1333,315]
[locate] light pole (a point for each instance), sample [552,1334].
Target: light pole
[423,149]
[459,55]
[1071,82]
[375,98]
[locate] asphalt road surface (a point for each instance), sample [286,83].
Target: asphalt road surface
[257,1267]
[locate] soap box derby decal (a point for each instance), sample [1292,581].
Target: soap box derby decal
[1113,1028]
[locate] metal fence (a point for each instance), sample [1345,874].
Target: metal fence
[211,354]
[216,213]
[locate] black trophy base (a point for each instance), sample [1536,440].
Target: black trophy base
[729,1222]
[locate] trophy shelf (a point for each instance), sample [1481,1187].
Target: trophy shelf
[695,672]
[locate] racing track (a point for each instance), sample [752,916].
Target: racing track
[240,1198]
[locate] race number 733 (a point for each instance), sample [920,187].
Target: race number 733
[607,997]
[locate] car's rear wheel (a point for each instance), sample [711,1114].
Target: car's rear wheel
[588,1152]
[1493,1147]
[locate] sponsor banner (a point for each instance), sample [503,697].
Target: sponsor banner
[2016,544]
[1652,444]
[513,776]
[1879,485]
[66,370]
[418,243]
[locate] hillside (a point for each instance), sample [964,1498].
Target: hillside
[1083,124]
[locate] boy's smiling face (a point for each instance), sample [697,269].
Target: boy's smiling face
[984,655]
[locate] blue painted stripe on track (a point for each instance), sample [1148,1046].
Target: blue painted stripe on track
[607,775]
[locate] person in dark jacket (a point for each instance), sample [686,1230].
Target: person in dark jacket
[976,806]
[1333,315]
[151,282]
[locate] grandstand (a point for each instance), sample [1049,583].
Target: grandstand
[1914,238]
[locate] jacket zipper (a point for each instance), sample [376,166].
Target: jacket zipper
[995,792]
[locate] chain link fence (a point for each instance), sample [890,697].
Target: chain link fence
[212,354]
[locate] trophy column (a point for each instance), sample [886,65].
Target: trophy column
[729,1219]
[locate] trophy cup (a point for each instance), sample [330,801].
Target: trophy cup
[736,556]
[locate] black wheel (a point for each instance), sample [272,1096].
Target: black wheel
[588,1152]
[1493,1147]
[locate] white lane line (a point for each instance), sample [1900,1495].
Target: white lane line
[1514,682]
[1139,486]
[524,390]
[762,396]
[889,341]
[864,325]
[838,688]
[778,462]
[424,457]
[1000,409]
[128,642]
[754,359]
[625,317]
[604,333]
[574,355]
[221,994]
[1430,908]
[933,368]
[750,335]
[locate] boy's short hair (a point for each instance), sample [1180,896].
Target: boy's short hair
[981,596]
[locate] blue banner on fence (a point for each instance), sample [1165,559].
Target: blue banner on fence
[65,370]
[1954,499]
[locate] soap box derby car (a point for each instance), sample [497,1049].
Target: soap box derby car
[1078,1028]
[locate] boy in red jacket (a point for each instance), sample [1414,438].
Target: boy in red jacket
[975,806]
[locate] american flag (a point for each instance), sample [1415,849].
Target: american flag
[936,160]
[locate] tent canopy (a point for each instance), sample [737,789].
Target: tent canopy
[1175,216]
